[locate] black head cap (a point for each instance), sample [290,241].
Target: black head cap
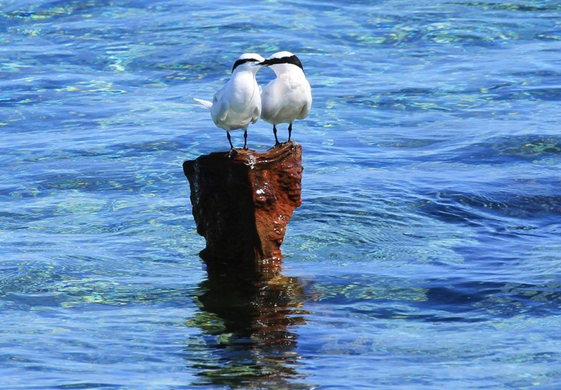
[241,61]
[283,58]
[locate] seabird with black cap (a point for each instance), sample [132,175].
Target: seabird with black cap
[238,103]
[289,96]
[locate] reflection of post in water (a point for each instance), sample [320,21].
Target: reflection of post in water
[242,202]
[247,339]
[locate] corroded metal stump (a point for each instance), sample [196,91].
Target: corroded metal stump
[242,202]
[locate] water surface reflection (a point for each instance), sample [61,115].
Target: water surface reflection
[248,338]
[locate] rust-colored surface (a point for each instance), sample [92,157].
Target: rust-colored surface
[242,202]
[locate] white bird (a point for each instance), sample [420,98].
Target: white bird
[238,103]
[289,95]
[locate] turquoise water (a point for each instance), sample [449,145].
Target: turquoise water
[425,255]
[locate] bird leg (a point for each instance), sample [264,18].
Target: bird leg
[230,140]
[275,133]
[245,139]
[289,131]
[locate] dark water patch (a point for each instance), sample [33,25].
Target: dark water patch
[552,93]
[495,299]
[489,209]
[532,6]
[19,100]
[472,210]
[500,150]
[451,300]
[541,73]
[88,385]
[459,297]
[515,299]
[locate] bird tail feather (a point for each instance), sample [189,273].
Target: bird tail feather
[203,103]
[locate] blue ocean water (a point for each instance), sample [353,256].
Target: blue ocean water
[425,255]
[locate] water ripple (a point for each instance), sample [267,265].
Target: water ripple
[425,252]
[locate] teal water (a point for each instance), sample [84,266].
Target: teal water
[425,255]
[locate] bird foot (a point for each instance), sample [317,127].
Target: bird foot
[232,153]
